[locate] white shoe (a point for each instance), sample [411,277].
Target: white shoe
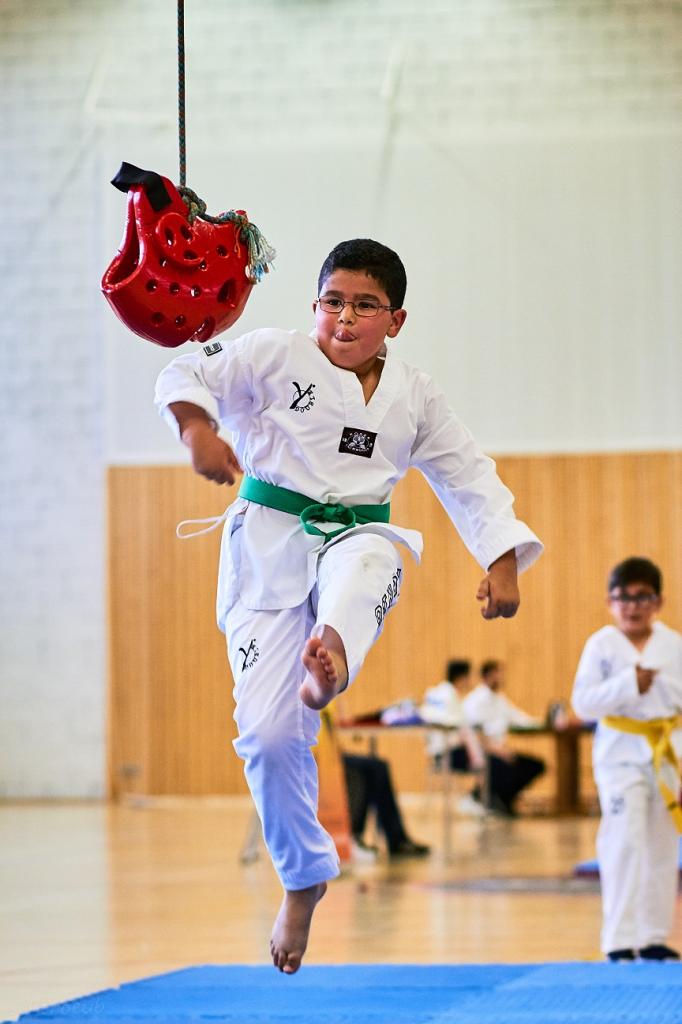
[470,808]
[363,854]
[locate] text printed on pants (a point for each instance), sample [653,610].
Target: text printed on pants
[389,597]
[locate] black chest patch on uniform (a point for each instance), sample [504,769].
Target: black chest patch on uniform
[358,442]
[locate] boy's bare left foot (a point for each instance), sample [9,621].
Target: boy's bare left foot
[327,674]
[292,926]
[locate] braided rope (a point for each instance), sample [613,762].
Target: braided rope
[181,92]
[261,253]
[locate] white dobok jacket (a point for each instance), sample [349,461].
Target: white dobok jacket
[494,713]
[442,705]
[300,422]
[606,684]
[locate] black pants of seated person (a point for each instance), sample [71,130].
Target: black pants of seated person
[369,785]
[506,779]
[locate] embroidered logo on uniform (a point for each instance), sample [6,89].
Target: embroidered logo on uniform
[213,348]
[605,668]
[389,597]
[303,399]
[251,655]
[358,442]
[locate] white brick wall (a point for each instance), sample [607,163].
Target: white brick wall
[51,412]
[468,65]
[531,154]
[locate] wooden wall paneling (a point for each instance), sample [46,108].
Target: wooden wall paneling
[130,614]
[171,687]
[171,704]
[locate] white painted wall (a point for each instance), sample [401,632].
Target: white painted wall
[524,156]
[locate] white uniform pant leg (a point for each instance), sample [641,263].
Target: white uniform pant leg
[621,843]
[358,582]
[276,732]
[660,867]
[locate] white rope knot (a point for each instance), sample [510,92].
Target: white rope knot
[213,521]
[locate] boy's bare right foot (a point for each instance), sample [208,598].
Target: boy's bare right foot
[327,674]
[292,926]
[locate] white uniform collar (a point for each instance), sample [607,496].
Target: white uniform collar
[357,414]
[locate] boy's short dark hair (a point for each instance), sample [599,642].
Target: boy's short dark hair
[636,570]
[457,668]
[489,666]
[375,260]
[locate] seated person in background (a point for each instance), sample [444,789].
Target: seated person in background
[369,786]
[487,709]
[442,705]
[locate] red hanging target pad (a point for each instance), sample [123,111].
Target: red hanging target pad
[178,276]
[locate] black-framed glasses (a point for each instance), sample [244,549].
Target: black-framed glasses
[636,599]
[363,307]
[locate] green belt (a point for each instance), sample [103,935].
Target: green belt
[309,511]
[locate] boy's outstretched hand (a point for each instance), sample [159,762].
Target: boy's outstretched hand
[211,456]
[500,589]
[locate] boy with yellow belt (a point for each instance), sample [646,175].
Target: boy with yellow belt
[630,678]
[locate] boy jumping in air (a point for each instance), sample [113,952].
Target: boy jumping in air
[324,426]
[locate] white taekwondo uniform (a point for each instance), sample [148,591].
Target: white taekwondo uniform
[300,422]
[494,713]
[442,705]
[637,843]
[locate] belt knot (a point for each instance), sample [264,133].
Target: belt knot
[329,513]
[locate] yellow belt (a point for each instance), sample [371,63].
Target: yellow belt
[657,732]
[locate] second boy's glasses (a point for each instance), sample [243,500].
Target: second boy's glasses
[363,307]
[636,599]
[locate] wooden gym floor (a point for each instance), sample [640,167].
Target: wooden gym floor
[92,895]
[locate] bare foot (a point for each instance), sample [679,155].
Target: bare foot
[327,673]
[291,928]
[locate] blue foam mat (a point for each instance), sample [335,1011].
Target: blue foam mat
[579,993]
[591,867]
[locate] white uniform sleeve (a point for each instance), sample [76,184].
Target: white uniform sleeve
[219,383]
[516,716]
[594,695]
[466,483]
[671,688]
[669,678]
[672,682]
[442,706]
[471,707]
